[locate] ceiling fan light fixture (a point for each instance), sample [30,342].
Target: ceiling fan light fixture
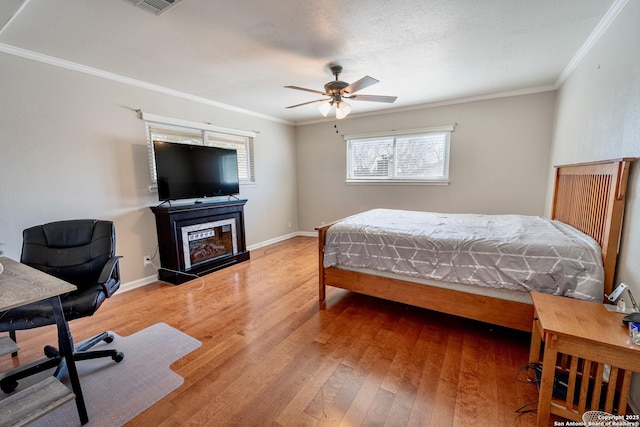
[342,110]
[325,108]
[338,90]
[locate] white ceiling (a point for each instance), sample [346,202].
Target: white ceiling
[241,53]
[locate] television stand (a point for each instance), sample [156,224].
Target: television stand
[199,238]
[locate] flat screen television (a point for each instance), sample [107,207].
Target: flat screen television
[195,171]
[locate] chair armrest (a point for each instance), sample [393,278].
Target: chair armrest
[106,279]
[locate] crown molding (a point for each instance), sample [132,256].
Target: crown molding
[50,60]
[15,14]
[600,29]
[436,104]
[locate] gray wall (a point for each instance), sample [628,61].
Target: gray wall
[598,117]
[71,147]
[499,161]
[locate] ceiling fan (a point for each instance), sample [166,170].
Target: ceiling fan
[338,91]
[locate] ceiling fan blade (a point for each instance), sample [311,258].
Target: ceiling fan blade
[305,89]
[305,103]
[366,81]
[374,98]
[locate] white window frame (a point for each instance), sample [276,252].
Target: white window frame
[440,179]
[187,132]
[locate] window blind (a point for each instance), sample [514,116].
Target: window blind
[405,157]
[196,134]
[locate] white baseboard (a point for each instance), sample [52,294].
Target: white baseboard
[307,233]
[271,241]
[151,279]
[138,283]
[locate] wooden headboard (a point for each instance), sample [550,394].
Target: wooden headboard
[591,198]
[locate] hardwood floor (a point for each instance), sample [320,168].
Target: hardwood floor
[271,357]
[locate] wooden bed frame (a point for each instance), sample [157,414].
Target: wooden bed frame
[587,196]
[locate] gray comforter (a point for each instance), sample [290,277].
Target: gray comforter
[505,251]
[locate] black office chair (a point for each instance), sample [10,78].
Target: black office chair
[81,252]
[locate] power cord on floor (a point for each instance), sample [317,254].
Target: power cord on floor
[525,370]
[523,409]
[157,267]
[195,276]
[524,375]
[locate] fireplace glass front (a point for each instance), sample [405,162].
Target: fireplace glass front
[208,241]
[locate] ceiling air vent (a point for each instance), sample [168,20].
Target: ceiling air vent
[156,7]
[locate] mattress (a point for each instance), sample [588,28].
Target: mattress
[515,252]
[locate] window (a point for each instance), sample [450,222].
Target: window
[411,156]
[167,129]
[243,145]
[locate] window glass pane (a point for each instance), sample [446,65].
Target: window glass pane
[421,156]
[371,157]
[416,157]
[180,135]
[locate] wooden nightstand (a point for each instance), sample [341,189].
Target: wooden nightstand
[580,338]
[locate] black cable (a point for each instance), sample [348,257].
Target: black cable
[522,410]
[528,378]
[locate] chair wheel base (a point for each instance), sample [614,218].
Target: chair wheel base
[118,357]
[51,352]
[8,387]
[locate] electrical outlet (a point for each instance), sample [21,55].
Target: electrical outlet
[146,260]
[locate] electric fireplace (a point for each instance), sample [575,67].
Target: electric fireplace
[197,239]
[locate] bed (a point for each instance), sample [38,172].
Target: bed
[588,198]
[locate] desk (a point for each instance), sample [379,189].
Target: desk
[21,285]
[586,336]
